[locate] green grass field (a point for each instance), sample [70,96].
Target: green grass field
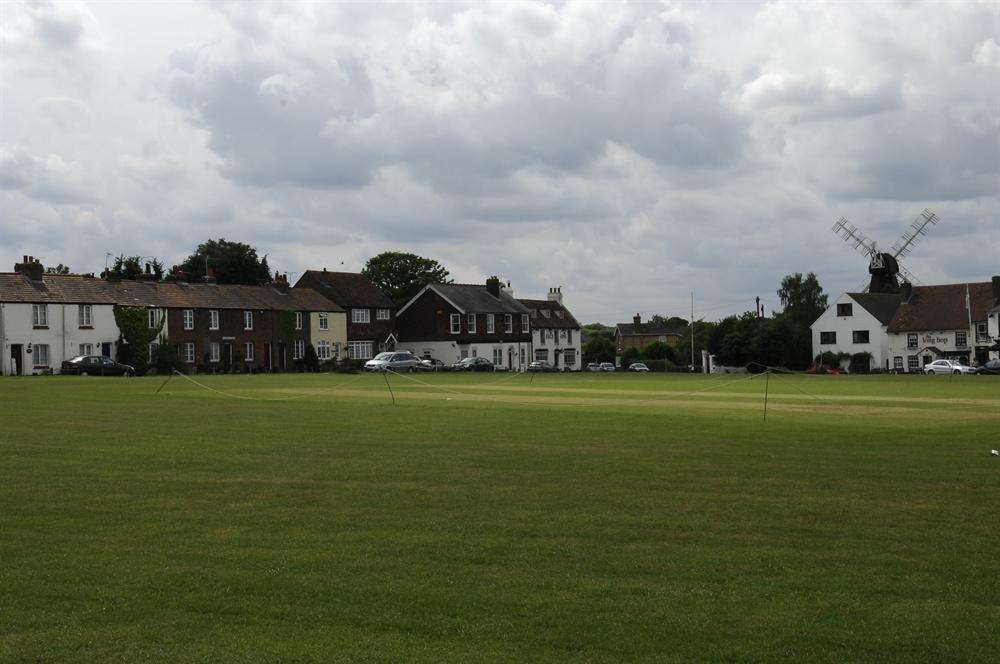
[500,518]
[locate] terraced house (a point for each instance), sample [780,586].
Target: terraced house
[371,315]
[555,333]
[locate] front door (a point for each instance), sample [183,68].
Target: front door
[106,349]
[16,357]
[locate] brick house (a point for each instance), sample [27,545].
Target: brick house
[371,315]
[450,322]
[639,335]
[555,334]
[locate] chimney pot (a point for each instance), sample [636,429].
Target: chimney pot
[637,320]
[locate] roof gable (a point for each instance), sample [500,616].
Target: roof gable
[347,289]
[549,314]
[882,306]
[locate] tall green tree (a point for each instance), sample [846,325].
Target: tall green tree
[58,269]
[134,267]
[232,263]
[802,298]
[401,275]
[599,348]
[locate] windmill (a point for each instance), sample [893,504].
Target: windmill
[884,265]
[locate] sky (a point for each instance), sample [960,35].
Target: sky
[630,153]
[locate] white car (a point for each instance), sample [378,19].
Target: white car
[947,367]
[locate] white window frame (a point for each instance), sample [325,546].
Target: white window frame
[382,314]
[911,340]
[247,319]
[214,351]
[361,316]
[498,356]
[189,319]
[86,349]
[189,352]
[525,325]
[471,323]
[323,350]
[569,336]
[324,320]
[541,354]
[912,362]
[508,323]
[298,320]
[359,350]
[456,323]
[298,349]
[248,352]
[40,315]
[85,316]
[490,324]
[213,319]
[152,318]
[37,350]
[569,356]
[964,337]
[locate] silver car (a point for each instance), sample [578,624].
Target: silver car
[947,367]
[395,361]
[607,366]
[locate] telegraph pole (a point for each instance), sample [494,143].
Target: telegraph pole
[692,331]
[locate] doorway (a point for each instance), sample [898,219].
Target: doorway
[16,357]
[106,349]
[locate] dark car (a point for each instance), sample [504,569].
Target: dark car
[541,366]
[432,364]
[473,364]
[96,365]
[991,368]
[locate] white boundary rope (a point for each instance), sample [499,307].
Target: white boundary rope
[247,398]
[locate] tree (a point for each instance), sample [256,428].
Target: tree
[599,348]
[659,351]
[599,328]
[58,269]
[133,267]
[672,323]
[232,263]
[401,275]
[802,298]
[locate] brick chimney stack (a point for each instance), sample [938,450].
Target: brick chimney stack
[555,295]
[493,286]
[637,320]
[31,268]
[281,282]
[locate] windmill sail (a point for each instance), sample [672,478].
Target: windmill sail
[916,232]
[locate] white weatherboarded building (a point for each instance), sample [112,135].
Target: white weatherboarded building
[48,318]
[856,323]
[555,333]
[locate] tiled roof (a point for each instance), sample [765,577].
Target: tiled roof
[553,319]
[943,307]
[75,289]
[880,305]
[646,329]
[348,289]
[476,299]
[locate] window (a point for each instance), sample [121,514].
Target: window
[981,332]
[213,319]
[40,354]
[524,323]
[474,351]
[189,352]
[490,326]
[827,338]
[961,339]
[248,350]
[465,353]
[911,340]
[559,313]
[508,323]
[298,349]
[913,363]
[845,309]
[213,351]
[298,320]
[562,335]
[569,336]
[86,349]
[85,315]
[860,336]
[498,356]
[152,318]
[40,315]
[456,323]
[542,354]
[154,348]
[324,320]
[189,319]
[323,350]
[361,316]
[247,320]
[546,313]
[569,357]
[359,350]
[381,314]
[472,323]
[897,363]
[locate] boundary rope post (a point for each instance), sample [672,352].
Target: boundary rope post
[164,383]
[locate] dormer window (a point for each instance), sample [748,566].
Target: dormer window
[559,313]
[845,309]
[546,313]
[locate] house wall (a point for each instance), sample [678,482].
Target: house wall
[336,335]
[63,335]
[376,331]
[993,325]
[944,340]
[552,339]
[513,356]
[640,341]
[845,326]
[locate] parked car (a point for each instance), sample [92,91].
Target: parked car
[638,366]
[96,365]
[989,368]
[947,367]
[594,366]
[607,366]
[432,364]
[541,366]
[394,361]
[473,364]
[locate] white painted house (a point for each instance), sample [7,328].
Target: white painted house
[48,318]
[555,333]
[856,323]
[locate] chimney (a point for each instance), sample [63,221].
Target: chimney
[281,282]
[636,320]
[493,286]
[210,276]
[555,295]
[30,268]
[996,290]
